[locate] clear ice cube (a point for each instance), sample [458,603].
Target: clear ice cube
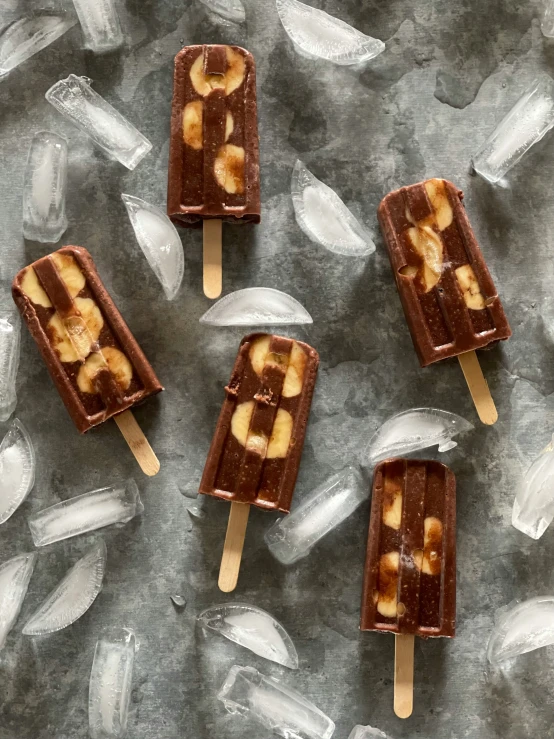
[44,190]
[366,732]
[525,124]
[100,24]
[110,685]
[17,469]
[410,431]
[110,505]
[231,10]
[533,509]
[10,335]
[521,628]
[324,218]
[256,306]
[159,241]
[179,600]
[27,36]
[14,581]
[281,709]
[115,135]
[73,596]
[293,537]
[318,35]
[252,628]
[547,21]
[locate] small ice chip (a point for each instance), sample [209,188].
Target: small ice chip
[159,241]
[10,335]
[196,512]
[100,24]
[521,628]
[78,102]
[17,469]
[253,628]
[14,581]
[316,34]
[366,732]
[324,218]
[547,22]
[179,600]
[256,306]
[533,509]
[231,10]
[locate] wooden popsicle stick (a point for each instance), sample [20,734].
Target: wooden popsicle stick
[404,675]
[138,443]
[232,549]
[478,387]
[212,258]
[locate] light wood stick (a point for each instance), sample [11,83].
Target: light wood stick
[232,549]
[138,443]
[212,258]
[478,388]
[404,675]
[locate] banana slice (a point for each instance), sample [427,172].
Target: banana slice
[116,362]
[70,273]
[229,169]
[33,289]
[294,379]
[229,125]
[280,435]
[192,124]
[240,421]
[258,353]
[73,339]
[230,81]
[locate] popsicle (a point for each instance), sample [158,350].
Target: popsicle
[449,299]
[93,358]
[213,173]
[255,452]
[410,569]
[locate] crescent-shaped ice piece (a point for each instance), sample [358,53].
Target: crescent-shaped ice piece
[10,339]
[533,509]
[256,306]
[17,469]
[14,581]
[253,628]
[317,34]
[521,628]
[160,242]
[231,10]
[418,428]
[73,596]
[324,218]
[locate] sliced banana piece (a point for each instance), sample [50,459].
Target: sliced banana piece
[280,435]
[73,339]
[230,81]
[240,421]
[33,289]
[229,169]
[294,379]
[114,360]
[70,273]
[192,124]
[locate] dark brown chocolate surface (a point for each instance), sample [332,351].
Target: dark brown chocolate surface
[225,78]
[75,323]
[273,379]
[410,570]
[441,322]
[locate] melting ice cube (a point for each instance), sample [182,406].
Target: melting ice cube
[179,600]
[159,241]
[253,628]
[113,504]
[76,100]
[521,628]
[324,218]
[27,36]
[366,732]
[533,509]
[316,34]
[547,22]
[231,10]
[293,537]
[100,24]
[526,123]
[73,596]
[17,469]
[10,334]
[14,581]
[415,429]
[273,704]
[110,686]
[256,306]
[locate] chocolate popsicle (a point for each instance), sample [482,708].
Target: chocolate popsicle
[213,159]
[449,299]
[257,445]
[93,358]
[410,570]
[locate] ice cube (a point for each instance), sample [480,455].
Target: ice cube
[14,581]
[533,509]
[256,306]
[159,241]
[44,190]
[100,24]
[196,512]
[273,704]
[10,334]
[525,124]
[117,503]
[231,10]
[547,22]
[324,218]
[316,34]
[76,100]
[366,732]
[110,686]
[293,537]
[179,600]
[73,596]
[522,628]
[17,469]
[252,628]
[27,36]
[410,431]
